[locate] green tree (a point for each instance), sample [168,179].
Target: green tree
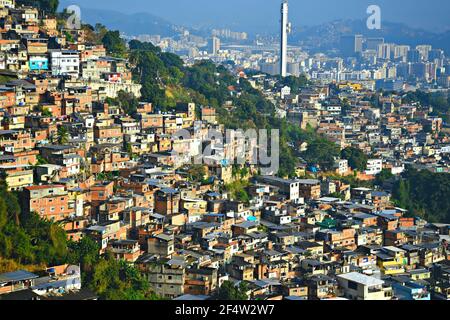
[63,135]
[84,252]
[197,173]
[242,196]
[26,237]
[401,193]
[117,280]
[143,46]
[129,149]
[295,83]
[229,291]
[126,101]
[114,44]
[69,37]
[152,74]
[41,160]
[46,113]
[424,194]
[383,176]
[322,152]
[357,159]
[238,192]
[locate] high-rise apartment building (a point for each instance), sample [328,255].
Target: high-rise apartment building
[351,44]
[214,45]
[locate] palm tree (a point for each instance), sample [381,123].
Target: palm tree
[63,135]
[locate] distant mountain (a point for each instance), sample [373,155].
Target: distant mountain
[327,36]
[133,24]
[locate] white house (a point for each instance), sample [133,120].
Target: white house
[65,62]
[357,286]
[342,166]
[374,166]
[285,91]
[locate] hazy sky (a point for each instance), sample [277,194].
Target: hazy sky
[253,14]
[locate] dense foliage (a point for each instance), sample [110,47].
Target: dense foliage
[126,101]
[159,73]
[196,173]
[424,194]
[109,278]
[295,83]
[384,176]
[28,239]
[114,44]
[118,280]
[94,34]
[357,159]
[322,152]
[209,81]
[238,191]
[440,102]
[229,291]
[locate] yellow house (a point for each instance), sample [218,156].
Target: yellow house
[420,274]
[194,206]
[392,260]
[390,267]
[300,171]
[17,179]
[350,85]
[77,200]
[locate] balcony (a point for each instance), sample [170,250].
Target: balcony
[375,289]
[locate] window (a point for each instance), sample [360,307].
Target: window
[352,285]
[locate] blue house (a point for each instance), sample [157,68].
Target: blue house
[411,291]
[38,63]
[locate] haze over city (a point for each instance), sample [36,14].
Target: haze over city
[262,15]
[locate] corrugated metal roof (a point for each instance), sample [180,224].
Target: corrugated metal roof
[19,275]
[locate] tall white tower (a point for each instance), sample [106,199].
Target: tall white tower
[285,30]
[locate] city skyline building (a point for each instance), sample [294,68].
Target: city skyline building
[214,45]
[350,45]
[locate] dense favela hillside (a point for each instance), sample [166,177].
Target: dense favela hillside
[95,205]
